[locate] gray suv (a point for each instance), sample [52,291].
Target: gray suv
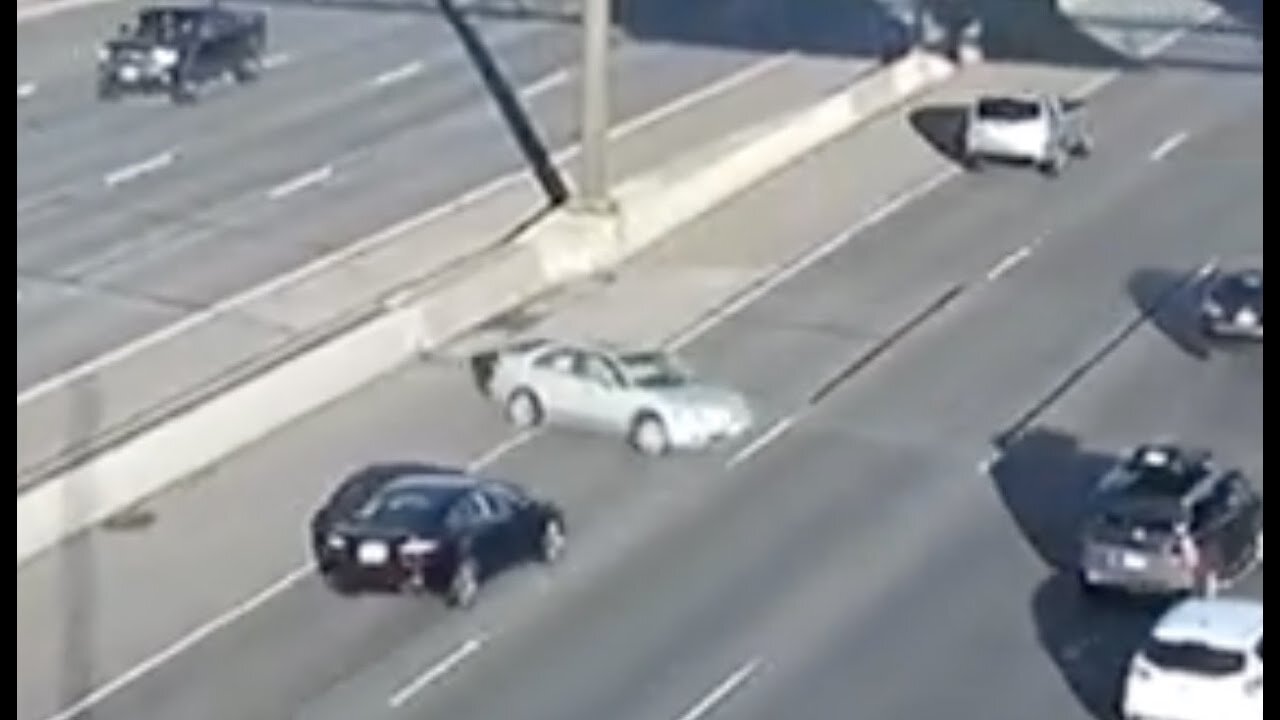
[1166,519]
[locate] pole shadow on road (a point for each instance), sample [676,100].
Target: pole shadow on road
[1044,478]
[1171,309]
[509,105]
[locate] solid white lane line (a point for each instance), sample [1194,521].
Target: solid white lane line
[300,182]
[1169,144]
[703,93]
[761,441]
[1008,262]
[184,643]
[435,672]
[720,692]
[399,74]
[136,170]
[497,451]
[547,82]
[809,258]
[276,60]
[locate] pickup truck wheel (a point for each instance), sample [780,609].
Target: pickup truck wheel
[184,91]
[248,69]
[107,90]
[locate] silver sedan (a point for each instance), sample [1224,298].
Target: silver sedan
[649,397]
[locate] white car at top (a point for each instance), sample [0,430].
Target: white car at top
[649,397]
[1040,129]
[1202,661]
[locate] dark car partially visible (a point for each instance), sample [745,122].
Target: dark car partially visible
[179,49]
[422,528]
[1231,305]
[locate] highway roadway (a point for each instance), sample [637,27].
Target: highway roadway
[134,214]
[869,554]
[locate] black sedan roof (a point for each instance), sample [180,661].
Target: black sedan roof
[414,499]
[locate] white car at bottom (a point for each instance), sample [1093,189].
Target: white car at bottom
[1202,661]
[1043,130]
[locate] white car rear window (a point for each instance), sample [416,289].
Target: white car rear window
[1194,657]
[1007,109]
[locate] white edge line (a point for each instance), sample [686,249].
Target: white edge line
[300,182]
[812,256]
[761,440]
[492,454]
[703,93]
[398,74]
[1009,262]
[984,467]
[1169,144]
[136,170]
[27,89]
[183,644]
[545,83]
[276,60]
[722,691]
[358,247]
[436,671]
[1208,268]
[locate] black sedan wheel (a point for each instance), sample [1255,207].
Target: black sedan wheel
[464,586]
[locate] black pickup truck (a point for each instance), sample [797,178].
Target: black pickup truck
[178,50]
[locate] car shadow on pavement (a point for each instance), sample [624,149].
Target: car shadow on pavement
[1168,302]
[1089,641]
[942,126]
[1044,478]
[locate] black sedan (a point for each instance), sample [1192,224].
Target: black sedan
[423,528]
[1232,305]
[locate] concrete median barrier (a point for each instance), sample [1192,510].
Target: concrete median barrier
[559,248]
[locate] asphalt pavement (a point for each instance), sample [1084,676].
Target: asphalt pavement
[872,553]
[134,214]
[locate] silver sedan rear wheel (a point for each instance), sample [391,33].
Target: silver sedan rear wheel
[523,409]
[649,436]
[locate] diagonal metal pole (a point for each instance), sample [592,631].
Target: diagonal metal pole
[593,190]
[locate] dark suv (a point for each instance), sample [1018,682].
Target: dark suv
[1166,519]
[1231,305]
[178,49]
